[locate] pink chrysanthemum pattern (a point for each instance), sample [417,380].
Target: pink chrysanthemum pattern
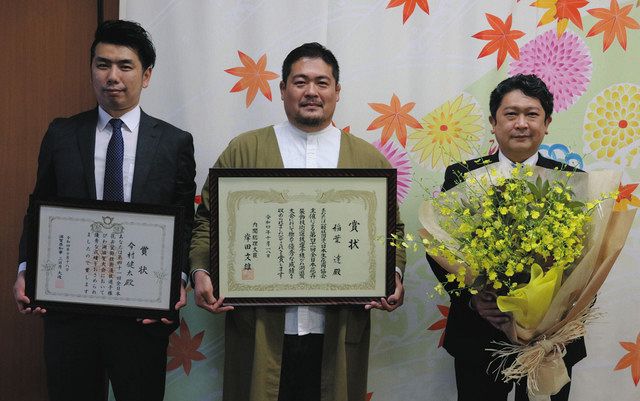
[563,63]
[399,160]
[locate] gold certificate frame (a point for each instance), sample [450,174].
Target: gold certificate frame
[302,236]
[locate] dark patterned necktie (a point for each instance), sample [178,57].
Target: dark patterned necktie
[113,190]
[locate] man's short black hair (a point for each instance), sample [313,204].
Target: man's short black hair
[129,34]
[530,85]
[310,50]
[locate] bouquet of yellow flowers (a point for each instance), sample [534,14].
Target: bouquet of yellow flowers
[543,240]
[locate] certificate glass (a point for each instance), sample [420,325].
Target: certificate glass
[302,236]
[104,257]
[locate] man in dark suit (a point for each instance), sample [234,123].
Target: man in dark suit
[521,108]
[114,152]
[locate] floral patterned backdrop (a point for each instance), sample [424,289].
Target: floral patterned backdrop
[416,77]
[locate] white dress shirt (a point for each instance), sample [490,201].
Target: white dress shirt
[300,149]
[508,164]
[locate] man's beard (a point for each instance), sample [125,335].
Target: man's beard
[309,121]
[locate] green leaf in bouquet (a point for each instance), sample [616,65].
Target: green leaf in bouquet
[576,205]
[533,189]
[539,182]
[545,188]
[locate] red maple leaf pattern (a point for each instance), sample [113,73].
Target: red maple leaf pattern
[631,359]
[441,324]
[502,39]
[254,77]
[626,197]
[394,119]
[561,11]
[625,191]
[614,23]
[409,7]
[184,349]
[570,9]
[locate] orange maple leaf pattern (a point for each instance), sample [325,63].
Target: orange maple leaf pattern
[184,349]
[254,77]
[441,324]
[395,118]
[561,10]
[626,191]
[631,359]
[614,22]
[409,7]
[501,39]
[626,197]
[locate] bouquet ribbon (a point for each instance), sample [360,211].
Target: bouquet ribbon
[530,303]
[541,361]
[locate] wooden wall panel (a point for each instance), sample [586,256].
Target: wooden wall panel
[45,69]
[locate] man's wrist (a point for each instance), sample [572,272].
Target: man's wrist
[193,276]
[399,273]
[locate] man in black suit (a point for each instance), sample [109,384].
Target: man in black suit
[113,152]
[521,108]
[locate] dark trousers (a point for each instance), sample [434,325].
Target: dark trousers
[83,352]
[475,384]
[301,368]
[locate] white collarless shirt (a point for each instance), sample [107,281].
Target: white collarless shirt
[300,149]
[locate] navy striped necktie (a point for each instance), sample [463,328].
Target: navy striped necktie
[113,189]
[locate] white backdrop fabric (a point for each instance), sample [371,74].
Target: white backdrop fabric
[432,60]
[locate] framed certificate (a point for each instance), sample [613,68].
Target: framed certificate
[302,236]
[103,257]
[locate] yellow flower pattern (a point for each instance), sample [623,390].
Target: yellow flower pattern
[612,125]
[448,132]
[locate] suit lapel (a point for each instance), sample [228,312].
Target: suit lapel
[546,163]
[494,157]
[86,134]
[148,137]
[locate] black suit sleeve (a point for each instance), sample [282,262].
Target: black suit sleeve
[185,191]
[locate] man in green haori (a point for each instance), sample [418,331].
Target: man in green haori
[295,352]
